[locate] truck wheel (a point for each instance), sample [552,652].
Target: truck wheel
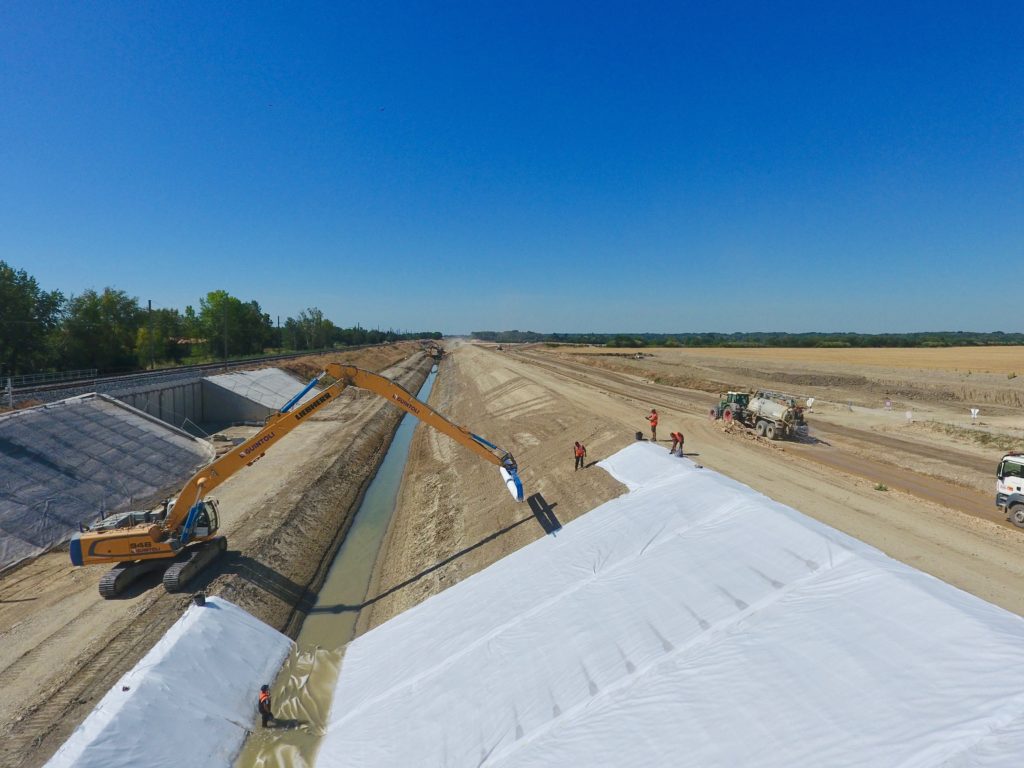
[769,431]
[1015,514]
[715,415]
[759,427]
[727,416]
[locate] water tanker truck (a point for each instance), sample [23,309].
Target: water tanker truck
[770,414]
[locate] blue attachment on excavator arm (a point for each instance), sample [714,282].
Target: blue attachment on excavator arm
[288,406]
[190,522]
[509,469]
[512,482]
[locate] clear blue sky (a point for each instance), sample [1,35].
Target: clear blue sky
[555,167]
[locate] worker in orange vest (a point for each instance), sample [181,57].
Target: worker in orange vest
[580,451]
[677,442]
[653,418]
[263,707]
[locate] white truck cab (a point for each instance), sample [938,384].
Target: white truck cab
[1010,487]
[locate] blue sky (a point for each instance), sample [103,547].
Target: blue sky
[546,166]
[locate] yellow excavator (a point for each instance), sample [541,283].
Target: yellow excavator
[181,537]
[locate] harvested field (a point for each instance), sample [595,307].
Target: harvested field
[968,376]
[1003,360]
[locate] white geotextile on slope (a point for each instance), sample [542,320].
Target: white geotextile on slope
[191,699]
[692,621]
[270,387]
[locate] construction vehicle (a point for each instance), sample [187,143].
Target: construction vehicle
[1010,487]
[182,536]
[770,414]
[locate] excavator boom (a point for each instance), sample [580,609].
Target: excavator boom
[403,399]
[135,537]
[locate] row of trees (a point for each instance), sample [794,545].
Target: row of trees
[760,339]
[110,331]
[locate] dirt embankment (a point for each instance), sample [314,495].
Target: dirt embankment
[62,646]
[452,519]
[454,516]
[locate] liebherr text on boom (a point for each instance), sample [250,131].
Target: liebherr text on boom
[182,537]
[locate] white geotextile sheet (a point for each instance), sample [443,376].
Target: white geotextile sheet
[270,387]
[69,461]
[692,621]
[189,702]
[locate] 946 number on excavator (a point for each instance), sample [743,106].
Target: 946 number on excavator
[182,539]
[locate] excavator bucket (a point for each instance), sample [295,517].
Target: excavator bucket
[513,483]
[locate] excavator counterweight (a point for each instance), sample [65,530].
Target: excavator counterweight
[182,537]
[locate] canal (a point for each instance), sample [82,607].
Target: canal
[302,692]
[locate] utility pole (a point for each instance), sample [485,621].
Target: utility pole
[225,334]
[152,362]
[280,341]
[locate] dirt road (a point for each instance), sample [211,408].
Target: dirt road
[62,646]
[451,523]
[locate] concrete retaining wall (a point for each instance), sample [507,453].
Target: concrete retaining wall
[176,403]
[222,406]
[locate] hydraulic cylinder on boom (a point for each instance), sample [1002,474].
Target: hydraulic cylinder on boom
[182,537]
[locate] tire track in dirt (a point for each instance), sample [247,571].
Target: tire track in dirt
[925,487]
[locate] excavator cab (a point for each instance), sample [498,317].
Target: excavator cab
[207,521]
[183,535]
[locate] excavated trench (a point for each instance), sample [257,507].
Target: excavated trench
[64,647]
[303,690]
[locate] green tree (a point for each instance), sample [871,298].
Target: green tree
[233,327]
[317,329]
[292,336]
[160,337]
[28,318]
[100,331]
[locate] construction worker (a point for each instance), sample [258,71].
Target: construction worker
[653,418]
[263,707]
[580,451]
[677,441]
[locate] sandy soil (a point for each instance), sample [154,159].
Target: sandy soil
[938,514]
[454,515]
[62,646]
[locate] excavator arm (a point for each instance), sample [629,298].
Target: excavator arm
[283,422]
[138,540]
[399,396]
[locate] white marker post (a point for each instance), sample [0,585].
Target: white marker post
[974,414]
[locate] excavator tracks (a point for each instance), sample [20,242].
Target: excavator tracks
[118,578]
[182,571]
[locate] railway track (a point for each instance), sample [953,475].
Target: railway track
[50,392]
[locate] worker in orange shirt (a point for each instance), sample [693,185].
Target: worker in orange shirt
[653,418]
[677,442]
[580,451]
[263,705]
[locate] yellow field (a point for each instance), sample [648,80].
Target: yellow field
[975,359]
